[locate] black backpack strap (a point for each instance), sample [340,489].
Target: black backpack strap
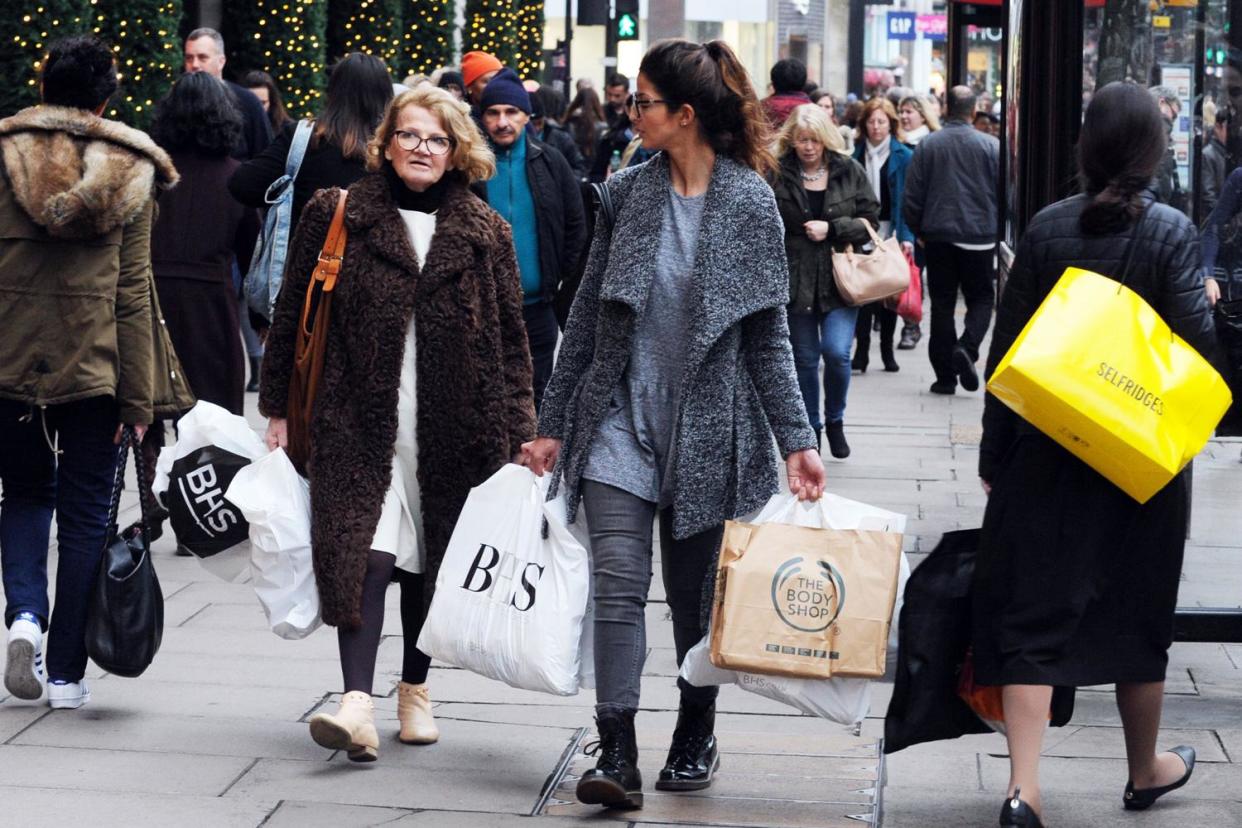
[604,199]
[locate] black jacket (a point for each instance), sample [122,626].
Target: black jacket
[951,186]
[847,199]
[1164,271]
[560,216]
[256,128]
[322,167]
[559,139]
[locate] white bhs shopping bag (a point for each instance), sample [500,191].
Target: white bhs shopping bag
[275,500]
[509,603]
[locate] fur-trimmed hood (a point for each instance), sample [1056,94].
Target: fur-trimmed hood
[78,175]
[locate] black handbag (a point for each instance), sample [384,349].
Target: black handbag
[125,621]
[933,635]
[1228,318]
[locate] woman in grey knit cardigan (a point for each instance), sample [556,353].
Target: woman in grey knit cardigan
[674,374]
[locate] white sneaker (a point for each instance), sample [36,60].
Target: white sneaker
[69,695]
[23,674]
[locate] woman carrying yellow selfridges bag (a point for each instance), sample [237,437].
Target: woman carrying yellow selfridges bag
[1076,580]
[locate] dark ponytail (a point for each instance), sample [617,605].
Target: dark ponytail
[1122,143]
[710,78]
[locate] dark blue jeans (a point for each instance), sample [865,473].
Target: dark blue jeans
[77,486]
[541,332]
[828,336]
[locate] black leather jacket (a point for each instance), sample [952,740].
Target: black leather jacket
[1164,271]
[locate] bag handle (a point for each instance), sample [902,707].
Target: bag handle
[293,163]
[1127,258]
[606,209]
[328,267]
[129,440]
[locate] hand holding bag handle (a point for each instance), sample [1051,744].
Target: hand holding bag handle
[312,338]
[125,620]
[870,277]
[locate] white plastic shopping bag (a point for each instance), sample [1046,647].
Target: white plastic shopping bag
[840,699]
[276,501]
[509,603]
[191,478]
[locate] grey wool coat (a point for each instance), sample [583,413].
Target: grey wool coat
[739,387]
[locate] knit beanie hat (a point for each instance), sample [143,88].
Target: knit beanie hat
[506,90]
[476,64]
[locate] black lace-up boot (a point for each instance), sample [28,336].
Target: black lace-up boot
[693,757]
[614,782]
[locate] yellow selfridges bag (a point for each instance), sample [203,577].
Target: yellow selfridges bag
[1098,370]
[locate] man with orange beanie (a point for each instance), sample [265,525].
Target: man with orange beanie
[477,68]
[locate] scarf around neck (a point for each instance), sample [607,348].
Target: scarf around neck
[876,158]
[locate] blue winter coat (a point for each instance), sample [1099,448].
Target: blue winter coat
[899,156]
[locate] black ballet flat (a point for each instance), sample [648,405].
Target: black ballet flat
[1017,812]
[1141,800]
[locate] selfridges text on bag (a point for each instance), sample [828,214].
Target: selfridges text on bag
[509,603]
[839,699]
[804,602]
[275,501]
[1136,405]
[191,478]
[267,265]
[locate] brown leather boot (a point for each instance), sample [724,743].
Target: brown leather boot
[352,729]
[418,726]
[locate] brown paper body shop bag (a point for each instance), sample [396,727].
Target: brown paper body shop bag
[808,603]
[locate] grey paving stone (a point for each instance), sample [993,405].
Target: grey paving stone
[1106,778]
[30,805]
[1109,742]
[118,770]
[190,699]
[292,814]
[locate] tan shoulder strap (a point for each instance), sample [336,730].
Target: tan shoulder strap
[330,257]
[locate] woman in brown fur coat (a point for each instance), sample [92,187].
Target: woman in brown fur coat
[426,389]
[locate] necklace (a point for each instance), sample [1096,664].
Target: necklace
[815,176]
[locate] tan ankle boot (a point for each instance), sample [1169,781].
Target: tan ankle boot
[352,729]
[418,727]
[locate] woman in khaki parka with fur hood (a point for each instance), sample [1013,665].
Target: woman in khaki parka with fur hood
[78,349]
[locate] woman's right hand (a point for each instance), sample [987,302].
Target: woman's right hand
[816,231]
[1213,291]
[277,435]
[539,455]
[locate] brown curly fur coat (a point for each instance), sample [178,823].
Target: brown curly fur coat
[475,405]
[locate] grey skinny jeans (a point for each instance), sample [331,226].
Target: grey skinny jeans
[621,531]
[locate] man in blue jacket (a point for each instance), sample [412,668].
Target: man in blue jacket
[537,193]
[950,203]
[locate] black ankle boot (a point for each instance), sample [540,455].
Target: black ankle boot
[886,355]
[254,374]
[614,782]
[693,757]
[860,360]
[836,440]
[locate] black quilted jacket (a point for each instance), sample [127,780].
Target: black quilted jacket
[1164,271]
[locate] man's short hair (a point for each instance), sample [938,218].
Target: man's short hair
[205,32]
[788,75]
[618,79]
[960,102]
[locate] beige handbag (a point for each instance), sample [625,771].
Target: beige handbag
[870,277]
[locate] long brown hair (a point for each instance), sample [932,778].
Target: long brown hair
[581,119]
[710,78]
[359,89]
[1120,147]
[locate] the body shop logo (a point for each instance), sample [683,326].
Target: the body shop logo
[808,601]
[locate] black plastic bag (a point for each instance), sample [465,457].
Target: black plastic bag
[1228,317]
[933,635]
[202,519]
[125,624]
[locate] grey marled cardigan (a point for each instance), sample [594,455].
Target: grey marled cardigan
[739,387]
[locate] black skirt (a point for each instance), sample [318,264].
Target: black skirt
[203,325]
[1076,582]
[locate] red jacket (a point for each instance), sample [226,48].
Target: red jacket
[778,107]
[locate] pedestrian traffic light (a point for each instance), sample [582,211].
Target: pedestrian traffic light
[627,20]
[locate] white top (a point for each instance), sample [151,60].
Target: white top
[400,527]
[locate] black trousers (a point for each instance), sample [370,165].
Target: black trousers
[541,332]
[951,269]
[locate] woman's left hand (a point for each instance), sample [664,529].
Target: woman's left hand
[816,231]
[907,248]
[805,470]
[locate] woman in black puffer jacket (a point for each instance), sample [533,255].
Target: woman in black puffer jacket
[1076,582]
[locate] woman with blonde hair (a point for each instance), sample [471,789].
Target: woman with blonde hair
[428,319]
[884,156]
[822,195]
[918,119]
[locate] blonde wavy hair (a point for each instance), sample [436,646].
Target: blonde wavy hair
[814,121]
[470,155]
[921,105]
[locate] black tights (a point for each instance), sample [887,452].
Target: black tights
[358,647]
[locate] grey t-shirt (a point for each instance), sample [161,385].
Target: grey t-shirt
[633,449]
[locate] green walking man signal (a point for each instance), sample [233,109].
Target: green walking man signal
[627,27]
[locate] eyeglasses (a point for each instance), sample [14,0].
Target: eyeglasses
[411,141]
[636,108]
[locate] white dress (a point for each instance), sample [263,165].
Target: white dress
[400,527]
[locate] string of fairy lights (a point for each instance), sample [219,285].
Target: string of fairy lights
[291,39]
